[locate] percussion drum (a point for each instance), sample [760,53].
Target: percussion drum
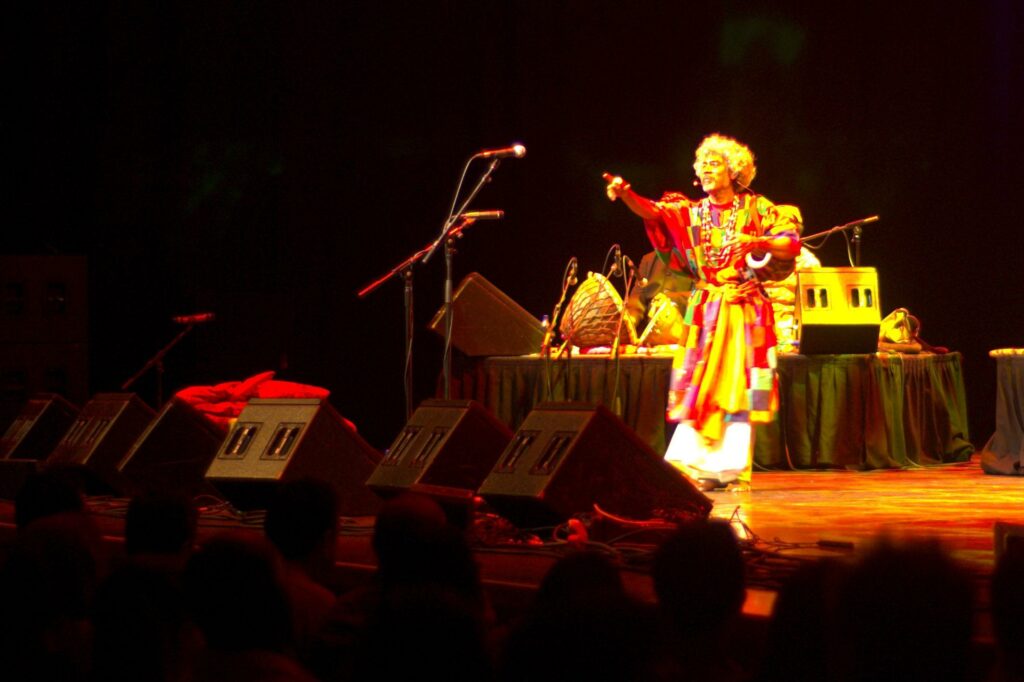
[664,325]
[594,313]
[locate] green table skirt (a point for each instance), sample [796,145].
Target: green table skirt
[837,411]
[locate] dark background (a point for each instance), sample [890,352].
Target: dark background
[266,160]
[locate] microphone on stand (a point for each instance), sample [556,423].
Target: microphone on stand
[482,215]
[516,150]
[196,318]
[616,260]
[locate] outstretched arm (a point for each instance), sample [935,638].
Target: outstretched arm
[619,189]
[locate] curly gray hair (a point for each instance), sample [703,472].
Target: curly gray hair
[738,157]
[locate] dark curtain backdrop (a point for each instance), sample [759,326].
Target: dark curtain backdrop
[265,160]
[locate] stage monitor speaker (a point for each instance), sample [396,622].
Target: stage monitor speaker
[485,321]
[173,453]
[568,457]
[446,443]
[281,439]
[837,310]
[38,428]
[106,428]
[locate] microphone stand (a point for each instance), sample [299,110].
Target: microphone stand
[445,237]
[405,271]
[858,230]
[628,280]
[568,279]
[157,361]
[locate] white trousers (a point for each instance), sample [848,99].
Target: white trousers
[727,460]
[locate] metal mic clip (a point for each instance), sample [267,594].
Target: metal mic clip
[573,271]
[616,260]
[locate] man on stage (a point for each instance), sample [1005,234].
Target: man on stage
[723,377]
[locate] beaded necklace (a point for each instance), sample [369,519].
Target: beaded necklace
[713,238]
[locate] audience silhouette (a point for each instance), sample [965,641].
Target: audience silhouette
[698,579]
[904,613]
[234,590]
[243,607]
[302,523]
[1007,598]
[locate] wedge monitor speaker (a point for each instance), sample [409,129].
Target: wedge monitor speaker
[566,458]
[276,440]
[173,453]
[38,428]
[485,321]
[447,444]
[106,428]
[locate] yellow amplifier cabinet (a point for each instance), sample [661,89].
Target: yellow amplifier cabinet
[837,310]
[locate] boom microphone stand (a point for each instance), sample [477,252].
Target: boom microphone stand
[445,238]
[858,229]
[157,362]
[404,270]
[456,221]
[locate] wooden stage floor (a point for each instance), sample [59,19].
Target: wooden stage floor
[957,504]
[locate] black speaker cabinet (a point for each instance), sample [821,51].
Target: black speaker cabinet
[277,440]
[173,453]
[449,444]
[106,428]
[567,457]
[837,310]
[38,428]
[485,321]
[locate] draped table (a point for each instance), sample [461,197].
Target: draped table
[836,411]
[1004,451]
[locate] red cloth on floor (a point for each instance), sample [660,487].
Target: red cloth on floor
[224,402]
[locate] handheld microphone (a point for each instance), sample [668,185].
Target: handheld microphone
[516,150]
[482,215]
[196,318]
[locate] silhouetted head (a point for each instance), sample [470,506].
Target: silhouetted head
[52,491]
[910,589]
[302,517]
[234,590]
[160,524]
[141,627]
[698,576]
[581,580]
